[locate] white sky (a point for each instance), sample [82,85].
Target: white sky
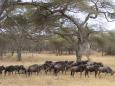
[98,21]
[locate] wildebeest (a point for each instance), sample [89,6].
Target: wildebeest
[1,69]
[106,70]
[69,64]
[59,66]
[33,69]
[14,68]
[9,69]
[79,68]
[92,67]
[20,69]
[47,66]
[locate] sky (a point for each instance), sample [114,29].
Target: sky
[101,22]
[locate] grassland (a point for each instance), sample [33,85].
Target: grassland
[51,80]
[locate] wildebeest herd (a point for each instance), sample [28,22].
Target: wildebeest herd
[83,67]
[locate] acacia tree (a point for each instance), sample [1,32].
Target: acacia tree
[3,6]
[3,46]
[14,26]
[53,12]
[50,15]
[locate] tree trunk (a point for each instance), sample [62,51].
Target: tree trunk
[69,51]
[19,55]
[102,51]
[61,52]
[12,53]
[82,49]
[1,55]
[78,56]
[78,52]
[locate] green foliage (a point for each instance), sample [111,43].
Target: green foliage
[44,17]
[104,41]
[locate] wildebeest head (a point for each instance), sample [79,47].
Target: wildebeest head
[2,67]
[98,64]
[21,67]
[112,72]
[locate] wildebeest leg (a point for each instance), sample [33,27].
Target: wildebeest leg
[15,72]
[56,71]
[105,74]
[12,72]
[62,71]
[99,74]
[65,72]
[86,73]
[18,71]
[29,73]
[80,74]
[5,72]
[95,74]
[71,73]
[25,72]
[46,71]
[37,72]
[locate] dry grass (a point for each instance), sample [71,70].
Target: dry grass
[50,80]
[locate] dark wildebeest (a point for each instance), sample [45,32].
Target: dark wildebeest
[47,66]
[33,69]
[2,68]
[106,70]
[69,64]
[9,69]
[59,66]
[79,68]
[20,69]
[92,67]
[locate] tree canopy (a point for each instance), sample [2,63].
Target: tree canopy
[41,20]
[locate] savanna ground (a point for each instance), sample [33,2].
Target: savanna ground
[51,80]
